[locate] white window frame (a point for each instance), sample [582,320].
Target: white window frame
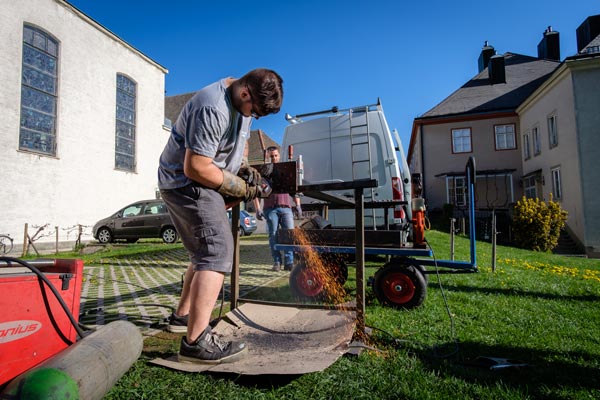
[552,131]
[39,92]
[537,142]
[461,140]
[526,147]
[556,183]
[456,190]
[530,187]
[505,137]
[125,124]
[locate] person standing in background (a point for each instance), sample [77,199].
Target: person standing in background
[278,209]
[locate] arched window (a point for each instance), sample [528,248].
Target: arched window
[125,124]
[38,92]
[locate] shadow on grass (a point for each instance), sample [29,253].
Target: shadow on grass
[545,369]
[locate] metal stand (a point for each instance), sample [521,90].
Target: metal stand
[317,191]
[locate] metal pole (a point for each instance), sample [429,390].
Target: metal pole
[471,181]
[493,242]
[56,241]
[235,272]
[360,259]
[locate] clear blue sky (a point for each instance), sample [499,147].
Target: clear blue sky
[410,54]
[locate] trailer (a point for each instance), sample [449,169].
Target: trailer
[401,282]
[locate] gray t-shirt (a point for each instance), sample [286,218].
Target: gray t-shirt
[210,126]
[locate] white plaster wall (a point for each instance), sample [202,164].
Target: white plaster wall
[557,98]
[80,184]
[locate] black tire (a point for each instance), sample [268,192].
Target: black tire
[335,263]
[242,233]
[400,286]
[169,235]
[105,235]
[314,283]
[412,262]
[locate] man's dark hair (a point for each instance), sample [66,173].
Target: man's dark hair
[267,88]
[271,148]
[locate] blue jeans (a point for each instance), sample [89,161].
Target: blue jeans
[285,217]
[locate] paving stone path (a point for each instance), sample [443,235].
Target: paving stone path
[145,289]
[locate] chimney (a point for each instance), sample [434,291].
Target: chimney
[587,31]
[497,70]
[486,53]
[549,47]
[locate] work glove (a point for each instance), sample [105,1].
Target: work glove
[249,174]
[298,211]
[259,215]
[236,187]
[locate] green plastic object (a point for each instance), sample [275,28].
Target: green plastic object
[44,383]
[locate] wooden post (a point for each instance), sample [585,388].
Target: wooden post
[452,228]
[25,241]
[79,231]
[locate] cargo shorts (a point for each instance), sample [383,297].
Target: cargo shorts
[199,216]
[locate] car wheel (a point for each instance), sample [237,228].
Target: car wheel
[104,235]
[169,235]
[242,233]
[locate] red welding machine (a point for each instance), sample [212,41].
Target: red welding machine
[33,324]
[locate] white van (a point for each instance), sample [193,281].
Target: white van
[334,148]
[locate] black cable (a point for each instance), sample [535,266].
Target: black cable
[52,288]
[452,330]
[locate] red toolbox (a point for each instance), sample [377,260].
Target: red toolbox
[33,325]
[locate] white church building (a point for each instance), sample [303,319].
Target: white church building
[82,121]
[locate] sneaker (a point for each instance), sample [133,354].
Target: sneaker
[276,267]
[288,267]
[177,324]
[210,349]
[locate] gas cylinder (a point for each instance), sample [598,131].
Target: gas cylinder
[418,222]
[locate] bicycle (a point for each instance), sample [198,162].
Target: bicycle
[6,244]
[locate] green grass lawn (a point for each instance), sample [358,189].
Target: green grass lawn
[538,308]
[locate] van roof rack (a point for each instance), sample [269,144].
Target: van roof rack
[334,110]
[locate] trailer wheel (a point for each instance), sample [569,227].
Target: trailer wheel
[400,286]
[318,282]
[336,266]
[406,261]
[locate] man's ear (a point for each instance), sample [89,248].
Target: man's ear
[245,93]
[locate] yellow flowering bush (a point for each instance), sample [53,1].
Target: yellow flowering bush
[536,224]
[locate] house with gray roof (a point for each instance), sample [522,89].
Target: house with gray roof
[533,127]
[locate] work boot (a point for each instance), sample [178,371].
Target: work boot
[177,324]
[210,349]
[276,267]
